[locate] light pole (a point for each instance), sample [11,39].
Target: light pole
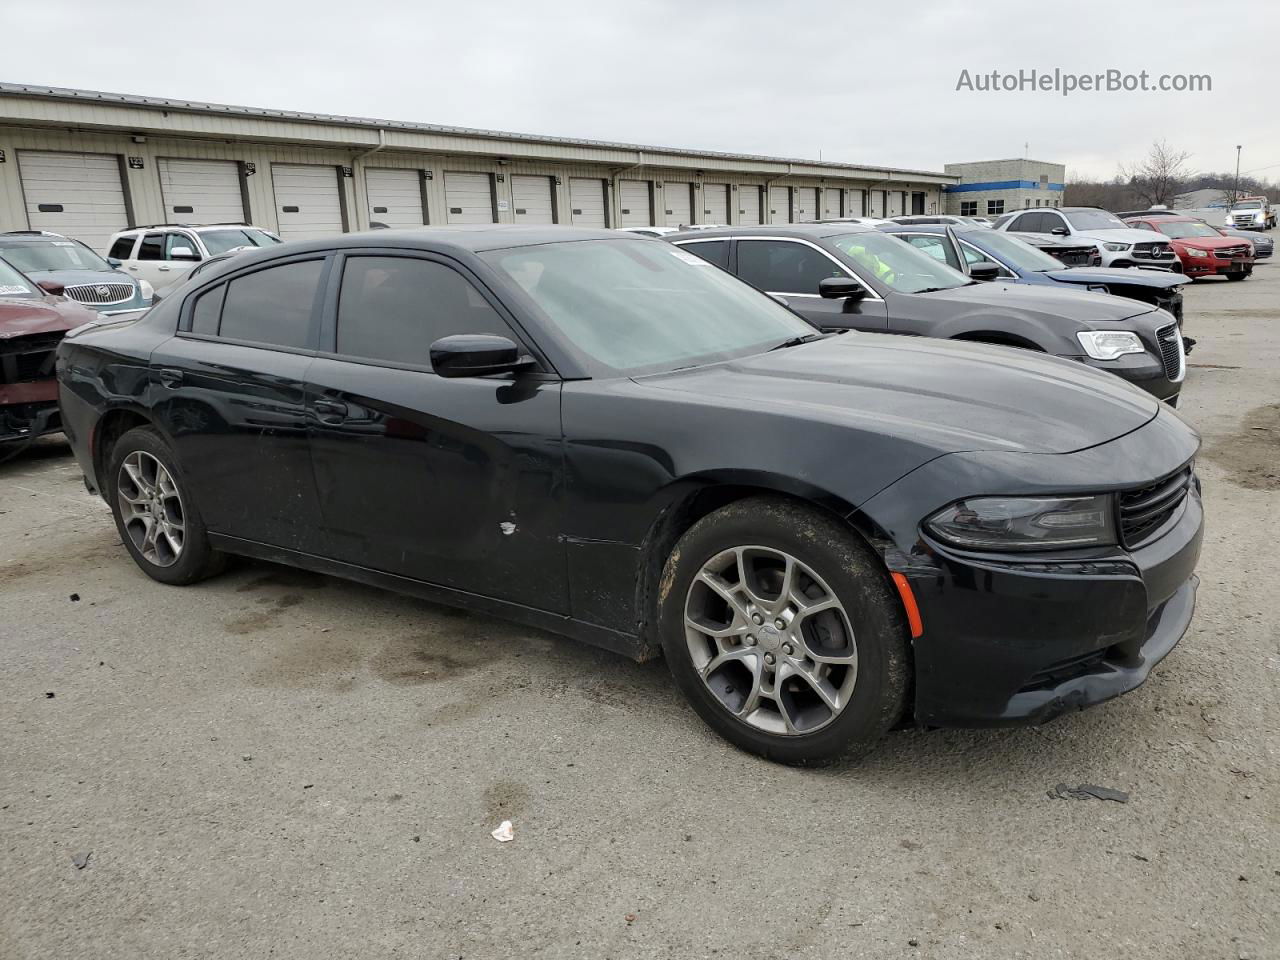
[1235,194]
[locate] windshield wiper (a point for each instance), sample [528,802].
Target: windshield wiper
[796,341]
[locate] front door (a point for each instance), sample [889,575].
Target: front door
[455,482]
[228,389]
[792,269]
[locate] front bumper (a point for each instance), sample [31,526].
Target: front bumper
[1144,370]
[26,421]
[1020,639]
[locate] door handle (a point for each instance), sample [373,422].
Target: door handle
[170,378]
[164,266]
[330,411]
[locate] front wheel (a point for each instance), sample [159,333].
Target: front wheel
[155,514]
[1237,276]
[780,628]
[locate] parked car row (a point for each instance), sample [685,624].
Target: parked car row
[614,437]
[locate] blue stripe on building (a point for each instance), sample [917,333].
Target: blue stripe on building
[1002,185]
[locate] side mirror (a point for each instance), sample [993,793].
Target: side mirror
[984,272]
[476,355]
[182,253]
[841,288]
[52,287]
[114,263]
[1059,231]
[157,296]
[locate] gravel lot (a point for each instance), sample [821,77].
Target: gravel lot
[279,764]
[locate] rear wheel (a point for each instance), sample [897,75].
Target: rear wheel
[156,516]
[779,627]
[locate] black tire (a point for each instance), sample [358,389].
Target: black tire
[1237,276]
[197,560]
[858,581]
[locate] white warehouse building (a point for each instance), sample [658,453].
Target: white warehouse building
[86,164]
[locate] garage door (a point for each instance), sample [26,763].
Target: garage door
[856,203]
[76,194]
[531,200]
[779,204]
[831,203]
[715,203]
[586,202]
[395,197]
[806,204]
[749,204]
[634,208]
[678,198]
[895,204]
[307,203]
[201,191]
[469,197]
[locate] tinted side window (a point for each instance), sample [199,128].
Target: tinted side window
[273,306]
[207,311]
[122,249]
[152,247]
[176,241]
[1050,221]
[781,266]
[394,308]
[713,251]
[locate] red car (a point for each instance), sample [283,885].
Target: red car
[32,322]
[1204,251]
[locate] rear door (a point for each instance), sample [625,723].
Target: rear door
[229,391]
[792,269]
[455,482]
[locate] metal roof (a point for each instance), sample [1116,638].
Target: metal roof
[265,113]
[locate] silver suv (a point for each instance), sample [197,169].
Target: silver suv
[163,253]
[1119,244]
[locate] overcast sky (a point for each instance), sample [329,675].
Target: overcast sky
[852,81]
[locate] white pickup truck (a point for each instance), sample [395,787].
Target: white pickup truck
[1252,213]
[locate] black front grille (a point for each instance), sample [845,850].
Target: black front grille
[1077,258]
[1171,352]
[1144,511]
[30,358]
[1154,251]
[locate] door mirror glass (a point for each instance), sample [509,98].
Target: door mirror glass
[984,271]
[476,355]
[841,288]
[1059,231]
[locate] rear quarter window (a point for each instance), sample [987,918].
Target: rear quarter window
[274,306]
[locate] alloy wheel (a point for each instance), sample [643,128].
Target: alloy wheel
[771,641]
[151,508]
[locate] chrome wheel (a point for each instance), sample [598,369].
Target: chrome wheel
[151,508]
[770,640]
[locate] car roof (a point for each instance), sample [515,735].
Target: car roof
[32,236]
[804,231]
[1165,216]
[939,228]
[470,238]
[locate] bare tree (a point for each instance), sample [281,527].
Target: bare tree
[1160,177]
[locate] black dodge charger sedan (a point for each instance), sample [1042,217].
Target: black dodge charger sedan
[847,276]
[603,435]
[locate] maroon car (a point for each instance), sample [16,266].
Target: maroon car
[33,319]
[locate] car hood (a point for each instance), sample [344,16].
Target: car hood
[1046,300]
[1133,277]
[1208,243]
[946,396]
[18,318]
[1123,235]
[73,278]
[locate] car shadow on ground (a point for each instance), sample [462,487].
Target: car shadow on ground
[18,455]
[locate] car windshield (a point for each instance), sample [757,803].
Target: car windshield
[1180,231]
[1095,220]
[1249,205]
[898,265]
[220,241]
[1015,252]
[14,284]
[33,256]
[631,306]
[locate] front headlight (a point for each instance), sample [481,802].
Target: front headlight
[1117,247]
[1026,523]
[1109,344]
[1197,252]
[146,290]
